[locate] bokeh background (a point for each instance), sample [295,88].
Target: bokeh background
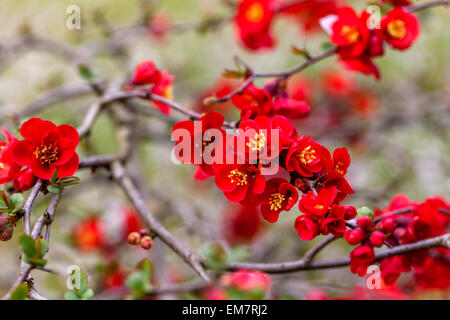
[396,130]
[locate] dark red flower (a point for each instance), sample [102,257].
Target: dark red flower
[241,223]
[253,20]
[24,180]
[279,195]
[400,28]
[8,167]
[303,156]
[334,221]
[307,228]
[361,258]
[47,148]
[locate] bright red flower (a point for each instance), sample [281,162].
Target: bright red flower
[307,228]
[89,234]
[210,128]
[246,280]
[131,221]
[8,167]
[303,156]
[24,180]
[291,108]
[363,64]
[239,182]
[145,73]
[253,20]
[400,28]
[350,33]
[391,268]
[434,272]
[426,223]
[317,205]
[361,258]
[253,96]
[279,195]
[163,87]
[47,148]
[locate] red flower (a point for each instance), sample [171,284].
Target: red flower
[241,223]
[253,20]
[47,148]
[304,157]
[391,268]
[89,234]
[246,280]
[253,96]
[291,108]
[350,33]
[24,180]
[278,196]
[239,182]
[338,84]
[307,228]
[317,205]
[131,221]
[426,223]
[210,126]
[400,28]
[163,88]
[145,73]
[334,222]
[361,258]
[8,167]
[361,64]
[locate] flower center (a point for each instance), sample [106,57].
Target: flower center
[396,29]
[319,206]
[276,201]
[47,154]
[258,142]
[351,33]
[238,177]
[307,156]
[168,93]
[255,13]
[339,168]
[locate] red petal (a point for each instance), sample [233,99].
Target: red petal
[22,152]
[35,129]
[69,168]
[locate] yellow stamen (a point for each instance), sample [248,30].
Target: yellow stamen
[238,177]
[255,13]
[351,33]
[396,29]
[276,201]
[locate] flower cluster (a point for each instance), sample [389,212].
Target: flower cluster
[46,148]
[403,222]
[254,18]
[357,42]
[264,162]
[146,74]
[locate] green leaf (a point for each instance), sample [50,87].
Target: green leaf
[28,246]
[3,206]
[54,189]
[69,181]
[135,281]
[16,200]
[54,177]
[42,246]
[327,45]
[300,52]
[21,292]
[87,73]
[70,295]
[365,211]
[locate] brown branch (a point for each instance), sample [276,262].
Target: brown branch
[426,5]
[122,178]
[301,265]
[28,206]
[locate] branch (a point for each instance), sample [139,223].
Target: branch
[426,5]
[122,178]
[28,206]
[300,265]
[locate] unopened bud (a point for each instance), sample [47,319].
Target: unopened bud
[144,232]
[146,242]
[210,101]
[6,234]
[134,238]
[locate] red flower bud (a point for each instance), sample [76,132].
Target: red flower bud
[350,212]
[144,232]
[377,238]
[6,234]
[146,242]
[2,222]
[24,180]
[134,238]
[354,236]
[388,225]
[365,223]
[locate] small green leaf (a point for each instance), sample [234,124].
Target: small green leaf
[54,177]
[70,295]
[300,52]
[234,74]
[87,73]
[28,246]
[54,189]
[327,45]
[16,200]
[21,292]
